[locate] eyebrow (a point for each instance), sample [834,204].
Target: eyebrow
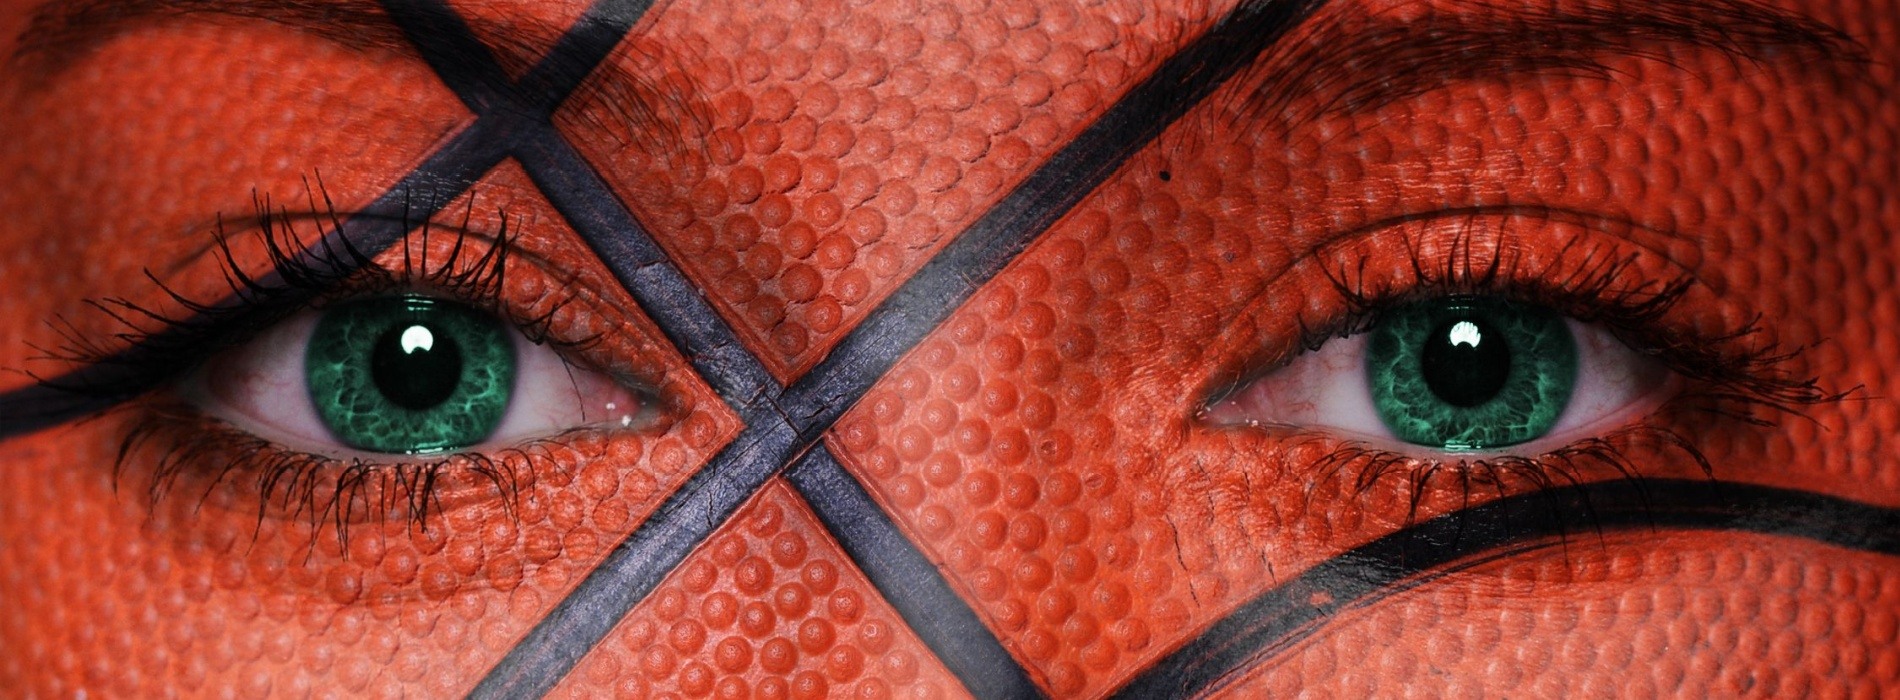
[61,33]
[1358,60]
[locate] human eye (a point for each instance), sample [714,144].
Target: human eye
[342,386]
[405,374]
[1458,352]
[1459,373]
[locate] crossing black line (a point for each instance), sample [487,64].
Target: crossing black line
[892,562]
[513,120]
[1301,607]
[981,251]
[813,403]
[434,183]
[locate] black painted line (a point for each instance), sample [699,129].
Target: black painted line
[976,255]
[434,183]
[674,303]
[588,614]
[573,188]
[1278,619]
[460,60]
[586,45]
[469,68]
[637,565]
[909,581]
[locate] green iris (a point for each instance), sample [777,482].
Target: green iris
[1470,373]
[409,374]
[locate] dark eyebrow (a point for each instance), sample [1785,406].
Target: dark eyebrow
[1356,60]
[631,90]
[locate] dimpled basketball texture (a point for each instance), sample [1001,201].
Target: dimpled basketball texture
[211,593]
[845,143]
[768,608]
[1038,444]
[1041,447]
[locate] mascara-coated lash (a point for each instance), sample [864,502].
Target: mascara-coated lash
[177,437]
[1721,377]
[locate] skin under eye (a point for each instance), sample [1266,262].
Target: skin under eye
[405,374]
[1458,374]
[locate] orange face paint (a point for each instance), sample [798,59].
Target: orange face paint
[937,316]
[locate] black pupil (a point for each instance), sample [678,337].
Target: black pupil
[1466,361]
[416,366]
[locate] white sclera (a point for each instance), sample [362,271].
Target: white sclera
[260,387]
[1328,388]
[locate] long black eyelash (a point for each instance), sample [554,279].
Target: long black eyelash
[1745,382]
[165,348]
[1752,384]
[321,490]
[152,349]
[1569,465]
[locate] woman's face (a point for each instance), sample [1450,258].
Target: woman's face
[884,348]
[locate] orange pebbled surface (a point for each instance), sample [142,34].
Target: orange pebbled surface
[1043,446]
[1683,614]
[768,607]
[210,590]
[96,174]
[838,145]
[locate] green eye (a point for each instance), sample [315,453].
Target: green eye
[1470,373]
[409,374]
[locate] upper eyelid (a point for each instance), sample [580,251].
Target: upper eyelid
[1504,223]
[159,345]
[1500,223]
[564,285]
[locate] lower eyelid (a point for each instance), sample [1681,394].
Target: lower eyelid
[1328,390]
[219,470]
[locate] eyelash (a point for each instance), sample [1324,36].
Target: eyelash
[181,441]
[327,489]
[1741,385]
